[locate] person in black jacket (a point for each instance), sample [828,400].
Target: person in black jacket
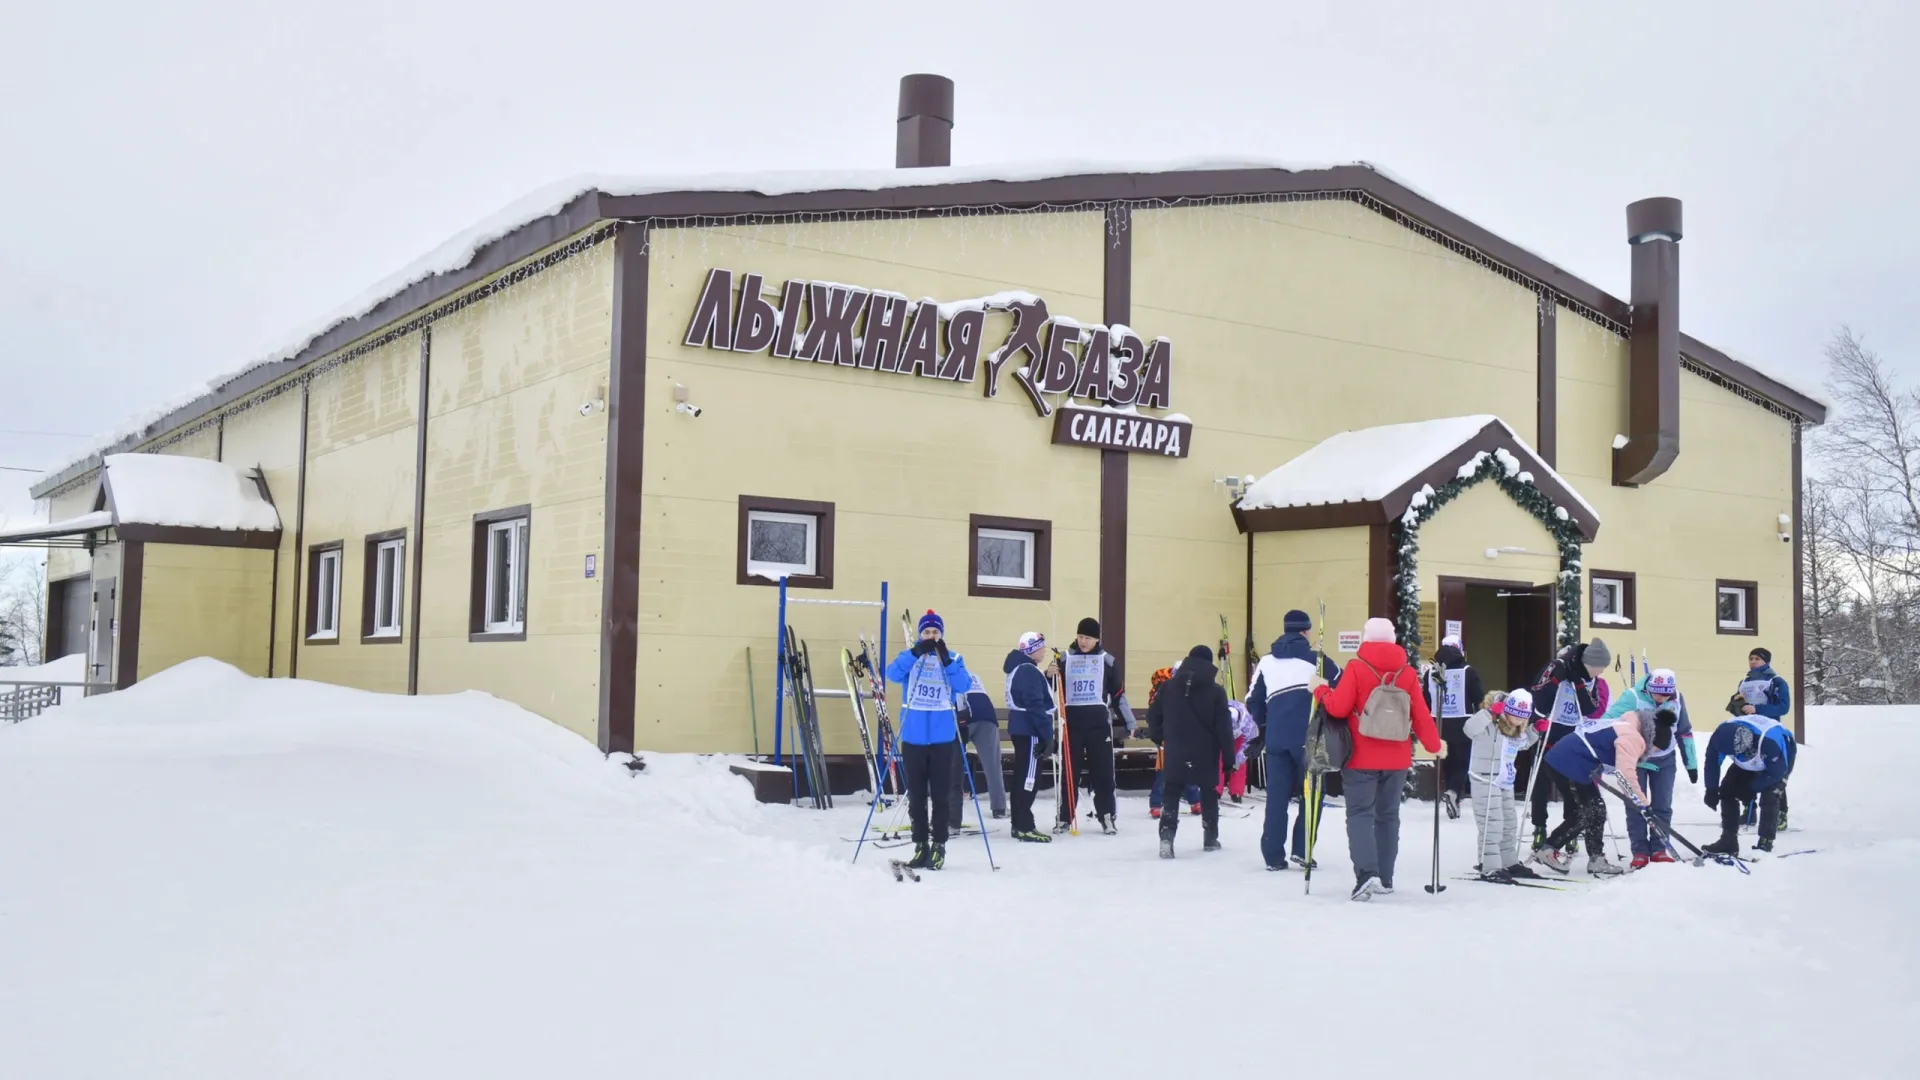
[1454,692]
[1189,719]
[1093,693]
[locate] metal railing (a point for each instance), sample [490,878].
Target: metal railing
[25,700]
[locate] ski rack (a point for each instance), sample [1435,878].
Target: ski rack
[780,666]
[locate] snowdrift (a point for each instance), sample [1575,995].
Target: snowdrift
[216,876]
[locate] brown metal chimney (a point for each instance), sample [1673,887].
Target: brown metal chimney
[1653,368]
[924,134]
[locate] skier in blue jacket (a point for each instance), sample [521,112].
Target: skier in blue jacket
[1281,702]
[1762,751]
[930,678]
[1030,708]
[1776,701]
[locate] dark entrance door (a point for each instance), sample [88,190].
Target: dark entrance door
[69,613]
[1506,627]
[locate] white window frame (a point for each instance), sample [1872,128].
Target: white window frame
[1746,615]
[387,586]
[774,570]
[1616,586]
[1026,537]
[326,617]
[516,598]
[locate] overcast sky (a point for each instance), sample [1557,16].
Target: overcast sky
[181,187]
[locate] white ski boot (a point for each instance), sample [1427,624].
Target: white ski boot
[1166,847]
[1554,859]
[1601,866]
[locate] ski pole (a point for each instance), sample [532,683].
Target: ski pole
[975,792]
[753,705]
[1436,888]
[1316,782]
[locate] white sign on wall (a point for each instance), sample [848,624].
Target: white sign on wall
[1349,641]
[1453,628]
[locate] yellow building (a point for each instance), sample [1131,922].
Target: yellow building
[567,464]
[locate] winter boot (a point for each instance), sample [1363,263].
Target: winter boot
[1237,798]
[1304,863]
[1166,844]
[1640,861]
[1276,866]
[1523,872]
[1560,862]
[1385,888]
[1573,846]
[1195,809]
[1059,827]
[1212,840]
[1663,855]
[1106,824]
[1765,846]
[922,857]
[1497,877]
[1601,866]
[998,814]
[1453,805]
[1728,844]
[1539,837]
[1033,836]
[1365,888]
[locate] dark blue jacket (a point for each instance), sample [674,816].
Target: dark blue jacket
[1279,698]
[1779,698]
[1029,699]
[1735,740]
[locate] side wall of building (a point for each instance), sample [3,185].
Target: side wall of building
[267,436]
[1300,570]
[204,601]
[906,460]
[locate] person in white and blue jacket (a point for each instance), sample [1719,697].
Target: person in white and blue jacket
[1281,701]
[1030,709]
[1658,691]
[1762,751]
[930,678]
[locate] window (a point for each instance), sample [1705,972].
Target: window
[1610,599]
[382,584]
[323,593]
[500,565]
[790,538]
[1009,557]
[1736,607]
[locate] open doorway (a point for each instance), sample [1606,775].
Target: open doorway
[1505,626]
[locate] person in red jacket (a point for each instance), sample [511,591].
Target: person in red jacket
[1377,770]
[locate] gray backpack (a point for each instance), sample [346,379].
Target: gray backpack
[1389,710]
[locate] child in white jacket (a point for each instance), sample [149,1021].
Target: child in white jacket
[1500,730]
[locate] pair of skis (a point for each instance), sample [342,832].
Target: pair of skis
[806,713]
[881,758]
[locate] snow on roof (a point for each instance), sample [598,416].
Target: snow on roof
[1372,463]
[170,489]
[1792,380]
[99,519]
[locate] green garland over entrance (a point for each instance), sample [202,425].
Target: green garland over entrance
[1504,469]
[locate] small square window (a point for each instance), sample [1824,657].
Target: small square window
[1611,600]
[1010,557]
[785,538]
[501,548]
[323,593]
[382,587]
[1735,607]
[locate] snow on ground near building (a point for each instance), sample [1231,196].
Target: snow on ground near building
[70,668]
[214,876]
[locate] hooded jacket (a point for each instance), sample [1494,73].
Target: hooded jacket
[1280,698]
[939,724]
[1029,697]
[1449,658]
[1190,719]
[1775,699]
[1759,744]
[1348,698]
[1569,668]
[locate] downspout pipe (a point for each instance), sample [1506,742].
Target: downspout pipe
[1653,369]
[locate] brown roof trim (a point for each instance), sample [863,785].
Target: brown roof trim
[262,539]
[1386,510]
[592,207]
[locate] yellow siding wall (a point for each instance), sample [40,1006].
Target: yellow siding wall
[905,460]
[267,436]
[1299,570]
[360,458]
[71,562]
[204,601]
[507,379]
[1713,515]
[1454,543]
[1291,322]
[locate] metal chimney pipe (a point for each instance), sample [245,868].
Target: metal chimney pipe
[923,134]
[1653,366]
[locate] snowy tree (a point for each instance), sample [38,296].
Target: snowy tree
[23,612]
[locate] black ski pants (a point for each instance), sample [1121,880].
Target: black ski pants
[1453,731]
[1026,780]
[929,781]
[1091,744]
[1739,787]
[1203,775]
[1586,813]
[1550,781]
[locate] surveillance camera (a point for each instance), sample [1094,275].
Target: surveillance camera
[586,408]
[687,408]
[1786,538]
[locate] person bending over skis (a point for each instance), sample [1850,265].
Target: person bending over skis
[1658,692]
[1762,751]
[1570,690]
[1579,759]
[930,678]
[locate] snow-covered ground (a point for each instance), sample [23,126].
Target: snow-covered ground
[211,876]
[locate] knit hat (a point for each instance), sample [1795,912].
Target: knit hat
[1765,656]
[1598,655]
[930,619]
[1200,653]
[1089,627]
[1032,642]
[1520,705]
[1297,622]
[1662,681]
[1377,630]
